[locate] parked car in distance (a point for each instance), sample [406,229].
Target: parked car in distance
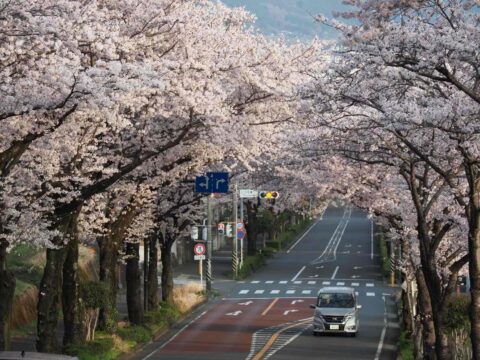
[29,355]
[336,310]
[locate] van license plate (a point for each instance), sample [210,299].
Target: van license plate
[334,327]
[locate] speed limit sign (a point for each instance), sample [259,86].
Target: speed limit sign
[199,249]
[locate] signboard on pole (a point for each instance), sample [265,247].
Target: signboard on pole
[194,233]
[240,234]
[221,228]
[247,193]
[199,257]
[212,182]
[199,249]
[229,230]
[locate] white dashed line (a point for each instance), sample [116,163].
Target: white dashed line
[259,291]
[269,282]
[312,282]
[255,282]
[340,283]
[298,274]
[297,282]
[283,282]
[370,285]
[370,294]
[244,291]
[290,292]
[355,284]
[275,292]
[326,283]
[306,292]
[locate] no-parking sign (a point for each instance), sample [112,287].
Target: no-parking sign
[199,249]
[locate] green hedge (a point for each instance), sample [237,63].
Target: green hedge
[405,347]
[251,264]
[456,316]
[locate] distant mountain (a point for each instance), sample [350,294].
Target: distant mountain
[292,17]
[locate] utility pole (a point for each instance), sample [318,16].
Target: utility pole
[145,274]
[241,241]
[235,241]
[208,275]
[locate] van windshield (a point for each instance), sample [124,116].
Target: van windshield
[336,300]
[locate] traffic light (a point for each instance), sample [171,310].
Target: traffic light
[269,195]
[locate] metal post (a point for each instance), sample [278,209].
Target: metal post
[241,241]
[200,270]
[145,275]
[208,275]
[235,241]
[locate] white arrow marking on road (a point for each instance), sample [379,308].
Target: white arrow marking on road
[359,252]
[246,303]
[286,312]
[345,252]
[236,313]
[314,276]
[320,267]
[355,276]
[357,267]
[359,246]
[296,301]
[348,245]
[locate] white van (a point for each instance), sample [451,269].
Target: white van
[336,310]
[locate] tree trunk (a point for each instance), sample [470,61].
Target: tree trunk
[49,301]
[167,271]
[251,227]
[134,286]
[407,318]
[474,264]
[73,316]
[7,291]
[426,317]
[153,274]
[108,248]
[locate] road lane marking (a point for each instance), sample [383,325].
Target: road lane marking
[371,239]
[304,234]
[269,282]
[356,293]
[244,292]
[340,283]
[384,330]
[283,282]
[255,282]
[312,282]
[290,291]
[370,285]
[370,294]
[174,336]
[275,292]
[326,283]
[236,313]
[306,292]
[355,284]
[272,304]
[286,312]
[297,282]
[335,272]
[246,303]
[259,291]
[298,274]
[296,301]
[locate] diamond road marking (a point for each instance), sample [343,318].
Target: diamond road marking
[297,282]
[283,282]
[269,282]
[326,283]
[255,282]
[290,291]
[370,285]
[244,291]
[259,291]
[341,283]
[306,292]
[355,284]
[275,292]
[312,282]
[370,294]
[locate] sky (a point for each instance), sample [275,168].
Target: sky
[292,17]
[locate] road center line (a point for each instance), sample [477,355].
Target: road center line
[384,330]
[272,304]
[335,272]
[301,237]
[298,274]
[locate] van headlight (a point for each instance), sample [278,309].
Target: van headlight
[349,316]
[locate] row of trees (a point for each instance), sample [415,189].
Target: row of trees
[395,128]
[109,110]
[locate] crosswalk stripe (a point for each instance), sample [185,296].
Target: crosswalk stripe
[370,294]
[355,284]
[283,282]
[306,292]
[340,283]
[326,283]
[290,291]
[275,292]
[369,285]
[244,291]
[297,282]
[312,282]
[269,282]
[255,282]
[259,291]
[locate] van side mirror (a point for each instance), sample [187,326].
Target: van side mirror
[312,306]
[359,307]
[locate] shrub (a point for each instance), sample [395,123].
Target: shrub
[137,334]
[456,316]
[166,314]
[100,349]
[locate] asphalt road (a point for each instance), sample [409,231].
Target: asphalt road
[268,316]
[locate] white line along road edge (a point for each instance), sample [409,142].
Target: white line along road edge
[371,239]
[301,237]
[174,336]
[384,330]
[298,274]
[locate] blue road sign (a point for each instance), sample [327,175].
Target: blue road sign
[213,182]
[240,234]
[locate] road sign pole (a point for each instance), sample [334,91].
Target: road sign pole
[241,241]
[208,275]
[235,240]
[200,270]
